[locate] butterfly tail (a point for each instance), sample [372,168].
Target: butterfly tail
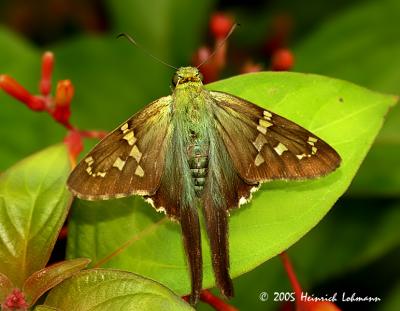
[217,229]
[190,226]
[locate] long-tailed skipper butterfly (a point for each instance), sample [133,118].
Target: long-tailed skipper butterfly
[200,151]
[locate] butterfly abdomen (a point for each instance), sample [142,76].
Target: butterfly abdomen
[198,163]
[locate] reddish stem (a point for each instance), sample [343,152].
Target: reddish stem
[291,274]
[216,302]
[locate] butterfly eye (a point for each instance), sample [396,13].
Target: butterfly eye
[201,77]
[175,80]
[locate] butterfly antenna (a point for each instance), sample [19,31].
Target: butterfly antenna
[131,40]
[219,45]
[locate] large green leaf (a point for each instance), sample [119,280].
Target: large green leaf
[33,206]
[101,289]
[362,45]
[343,114]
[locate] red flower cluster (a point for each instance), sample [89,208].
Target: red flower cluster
[58,107]
[220,25]
[15,301]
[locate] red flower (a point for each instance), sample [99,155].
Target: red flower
[282,60]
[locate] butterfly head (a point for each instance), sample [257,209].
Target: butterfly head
[187,75]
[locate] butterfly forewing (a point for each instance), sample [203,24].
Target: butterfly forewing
[128,161]
[264,146]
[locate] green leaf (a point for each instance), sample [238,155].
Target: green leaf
[43,280]
[100,289]
[368,55]
[129,235]
[33,205]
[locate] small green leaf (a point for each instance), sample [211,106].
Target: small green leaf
[129,235]
[43,280]
[101,289]
[33,205]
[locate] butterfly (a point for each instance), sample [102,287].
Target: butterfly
[200,151]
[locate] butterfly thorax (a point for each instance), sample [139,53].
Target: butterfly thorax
[193,119]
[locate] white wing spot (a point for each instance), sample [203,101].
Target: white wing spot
[280,148]
[101,174]
[242,201]
[267,115]
[89,160]
[150,201]
[259,142]
[119,163]
[124,128]
[259,160]
[139,171]
[262,129]
[311,141]
[264,123]
[130,138]
[135,153]
[314,150]
[301,156]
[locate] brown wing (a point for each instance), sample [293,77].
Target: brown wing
[265,146]
[128,161]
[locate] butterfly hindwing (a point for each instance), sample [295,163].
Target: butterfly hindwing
[265,146]
[130,160]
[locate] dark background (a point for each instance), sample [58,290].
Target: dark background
[355,248]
